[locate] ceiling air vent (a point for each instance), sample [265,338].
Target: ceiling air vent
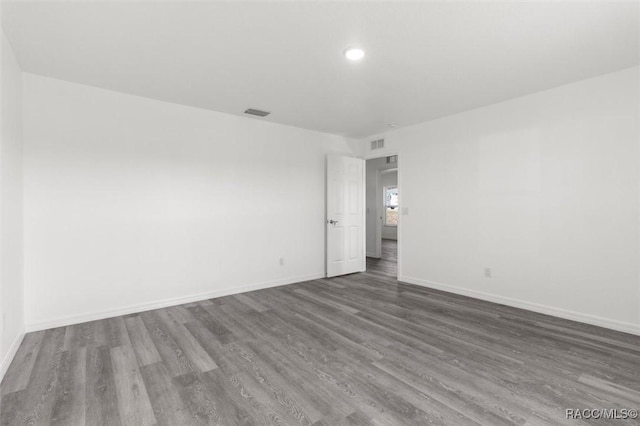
[377,144]
[257,112]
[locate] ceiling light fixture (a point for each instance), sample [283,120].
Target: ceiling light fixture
[392,124]
[354,53]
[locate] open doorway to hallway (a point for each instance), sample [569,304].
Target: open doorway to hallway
[382,215]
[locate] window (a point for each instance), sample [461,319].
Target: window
[391,206]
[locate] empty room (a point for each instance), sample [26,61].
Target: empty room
[319,213]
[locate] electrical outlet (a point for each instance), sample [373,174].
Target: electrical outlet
[487,272]
[282,261]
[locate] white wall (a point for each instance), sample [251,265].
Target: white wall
[543,189]
[122,207]
[132,203]
[389,179]
[11,283]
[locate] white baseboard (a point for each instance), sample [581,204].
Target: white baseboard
[148,306]
[6,360]
[612,324]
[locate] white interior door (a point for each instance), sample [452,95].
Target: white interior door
[345,215]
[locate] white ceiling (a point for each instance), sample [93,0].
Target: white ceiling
[424,59]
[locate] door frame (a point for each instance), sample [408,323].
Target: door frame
[373,156]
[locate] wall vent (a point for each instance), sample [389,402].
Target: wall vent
[377,144]
[259,113]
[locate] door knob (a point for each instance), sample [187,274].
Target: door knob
[333,222]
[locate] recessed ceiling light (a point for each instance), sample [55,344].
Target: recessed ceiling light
[392,124]
[354,53]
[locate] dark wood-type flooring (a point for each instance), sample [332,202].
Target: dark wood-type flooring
[388,262]
[355,350]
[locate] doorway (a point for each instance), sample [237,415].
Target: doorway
[382,215]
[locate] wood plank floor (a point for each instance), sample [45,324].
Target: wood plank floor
[356,350]
[387,264]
